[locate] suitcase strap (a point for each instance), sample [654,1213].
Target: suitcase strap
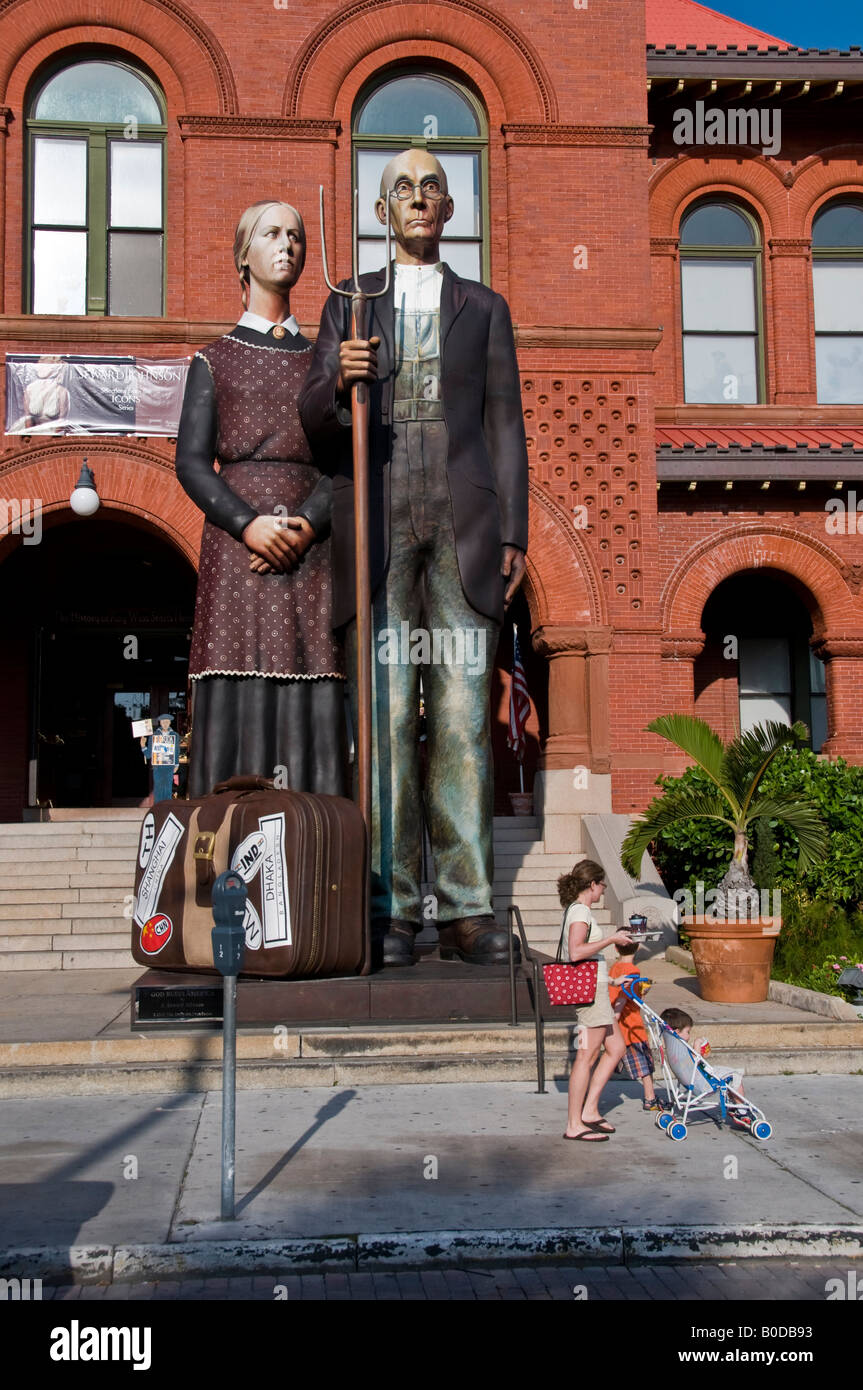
[206,858]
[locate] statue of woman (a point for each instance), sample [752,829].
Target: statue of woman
[267,673]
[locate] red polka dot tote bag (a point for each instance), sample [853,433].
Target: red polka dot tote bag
[568,983]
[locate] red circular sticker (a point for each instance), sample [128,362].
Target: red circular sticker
[156,933]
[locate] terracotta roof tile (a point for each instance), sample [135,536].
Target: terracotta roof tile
[676,23]
[748,436]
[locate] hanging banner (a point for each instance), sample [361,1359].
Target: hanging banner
[53,394]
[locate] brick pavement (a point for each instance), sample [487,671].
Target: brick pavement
[753,1280]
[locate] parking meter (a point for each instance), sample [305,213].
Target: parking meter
[229,944]
[229,909]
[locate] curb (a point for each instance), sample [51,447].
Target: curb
[106,1264]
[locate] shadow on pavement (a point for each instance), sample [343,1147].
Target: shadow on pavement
[328,1111]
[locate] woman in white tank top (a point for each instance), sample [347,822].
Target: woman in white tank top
[579,891]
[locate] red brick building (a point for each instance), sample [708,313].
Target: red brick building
[672,204]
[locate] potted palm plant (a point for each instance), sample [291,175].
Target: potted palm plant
[733,944]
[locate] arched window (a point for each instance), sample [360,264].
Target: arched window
[837,278]
[720,265]
[436,114]
[96,134]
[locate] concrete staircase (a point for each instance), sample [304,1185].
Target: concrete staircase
[66,888]
[525,874]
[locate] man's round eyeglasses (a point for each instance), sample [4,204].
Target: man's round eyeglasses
[429,188]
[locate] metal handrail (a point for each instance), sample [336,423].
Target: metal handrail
[514,915]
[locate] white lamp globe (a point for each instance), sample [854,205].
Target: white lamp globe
[85,500]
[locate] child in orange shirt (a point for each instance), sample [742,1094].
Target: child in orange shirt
[637,1059]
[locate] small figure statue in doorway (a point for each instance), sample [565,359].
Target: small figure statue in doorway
[162,751]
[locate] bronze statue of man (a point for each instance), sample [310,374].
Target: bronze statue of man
[448,534]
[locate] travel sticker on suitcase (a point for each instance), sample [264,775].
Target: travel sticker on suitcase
[160,859]
[261,856]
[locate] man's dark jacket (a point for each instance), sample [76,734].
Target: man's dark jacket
[487,453]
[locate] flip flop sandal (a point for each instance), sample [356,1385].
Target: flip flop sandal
[588,1136]
[601,1125]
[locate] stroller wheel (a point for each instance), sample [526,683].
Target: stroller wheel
[664,1119]
[677,1130]
[762,1130]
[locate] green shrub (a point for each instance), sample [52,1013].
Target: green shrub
[701,849]
[822,921]
[813,936]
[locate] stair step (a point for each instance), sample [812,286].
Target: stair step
[173,1064]
[530,917]
[508,860]
[58,829]
[66,842]
[534,870]
[96,926]
[33,884]
[118,959]
[110,907]
[121,861]
[38,855]
[528,895]
[32,960]
[86,815]
[39,870]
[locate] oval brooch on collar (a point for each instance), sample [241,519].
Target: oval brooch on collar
[279,331]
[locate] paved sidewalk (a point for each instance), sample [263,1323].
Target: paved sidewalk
[331,1162]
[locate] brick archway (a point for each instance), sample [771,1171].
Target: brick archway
[181,49]
[816,575]
[565,588]
[814,567]
[136,481]
[344,41]
[673,188]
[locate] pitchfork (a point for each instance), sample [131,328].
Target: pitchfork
[360,430]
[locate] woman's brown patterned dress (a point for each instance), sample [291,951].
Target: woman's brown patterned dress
[267,672]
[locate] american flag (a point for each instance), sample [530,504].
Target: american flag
[519,702]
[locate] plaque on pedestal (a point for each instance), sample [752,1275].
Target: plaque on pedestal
[173,1004]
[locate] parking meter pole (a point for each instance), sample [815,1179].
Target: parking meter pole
[229,910]
[229,1094]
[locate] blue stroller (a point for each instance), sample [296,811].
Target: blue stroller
[704,1090]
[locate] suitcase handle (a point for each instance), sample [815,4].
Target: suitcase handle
[244,783]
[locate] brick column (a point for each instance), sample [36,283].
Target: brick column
[843,657]
[574,774]
[791,303]
[680,650]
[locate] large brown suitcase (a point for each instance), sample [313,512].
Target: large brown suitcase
[303,858]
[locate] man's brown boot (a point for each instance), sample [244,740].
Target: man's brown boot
[475,940]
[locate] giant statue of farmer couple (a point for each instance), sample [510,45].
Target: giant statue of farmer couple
[448,533]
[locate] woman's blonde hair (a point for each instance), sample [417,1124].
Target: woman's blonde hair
[248,225]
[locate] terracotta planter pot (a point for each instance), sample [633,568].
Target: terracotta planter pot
[521,803]
[733,959]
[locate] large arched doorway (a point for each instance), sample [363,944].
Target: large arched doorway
[100,615]
[757,663]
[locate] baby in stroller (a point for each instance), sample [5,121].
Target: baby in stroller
[693,1086]
[701,1087]
[680,1059]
